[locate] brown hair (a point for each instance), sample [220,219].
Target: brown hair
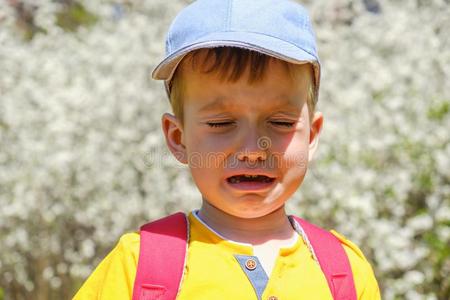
[231,63]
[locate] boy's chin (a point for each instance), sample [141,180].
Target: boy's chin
[245,211]
[259,213]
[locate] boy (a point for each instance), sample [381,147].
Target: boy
[242,77]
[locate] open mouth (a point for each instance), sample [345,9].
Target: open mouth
[250,178]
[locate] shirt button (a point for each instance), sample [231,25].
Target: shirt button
[272,298]
[250,264]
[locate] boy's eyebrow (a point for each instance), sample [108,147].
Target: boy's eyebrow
[221,103]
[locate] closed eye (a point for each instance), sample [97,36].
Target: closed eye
[283,123]
[219,124]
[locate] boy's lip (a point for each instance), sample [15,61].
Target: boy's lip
[251,186]
[251,172]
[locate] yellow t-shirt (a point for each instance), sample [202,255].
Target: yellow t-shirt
[212,271]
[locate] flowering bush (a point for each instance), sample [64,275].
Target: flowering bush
[82,156]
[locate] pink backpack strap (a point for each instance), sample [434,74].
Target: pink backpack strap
[332,259]
[161,259]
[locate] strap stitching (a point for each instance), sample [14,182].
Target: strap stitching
[302,233]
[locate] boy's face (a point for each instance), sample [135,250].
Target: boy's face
[236,128]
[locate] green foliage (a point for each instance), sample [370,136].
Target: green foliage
[30,31]
[439,111]
[72,15]
[439,254]
[75,15]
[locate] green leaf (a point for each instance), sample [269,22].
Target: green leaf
[74,16]
[439,111]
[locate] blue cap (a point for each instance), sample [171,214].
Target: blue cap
[278,28]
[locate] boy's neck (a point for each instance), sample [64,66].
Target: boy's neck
[255,231]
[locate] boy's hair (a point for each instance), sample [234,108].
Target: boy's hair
[232,63]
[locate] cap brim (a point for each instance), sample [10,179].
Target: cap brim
[253,41]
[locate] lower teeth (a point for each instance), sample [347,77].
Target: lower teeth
[264,180]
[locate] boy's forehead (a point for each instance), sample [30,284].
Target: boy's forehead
[221,103]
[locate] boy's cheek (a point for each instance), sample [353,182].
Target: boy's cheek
[206,160]
[295,165]
[295,155]
[201,141]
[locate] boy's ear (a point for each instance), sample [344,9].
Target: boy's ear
[173,131]
[314,133]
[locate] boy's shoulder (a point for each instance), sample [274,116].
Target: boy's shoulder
[114,276]
[358,261]
[349,246]
[129,242]
[363,275]
[130,238]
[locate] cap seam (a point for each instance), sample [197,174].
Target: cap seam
[169,35]
[230,8]
[169,42]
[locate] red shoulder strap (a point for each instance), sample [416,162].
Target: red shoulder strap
[161,259]
[332,259]
[160,269]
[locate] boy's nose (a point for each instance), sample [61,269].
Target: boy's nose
[254,148]
[252,156]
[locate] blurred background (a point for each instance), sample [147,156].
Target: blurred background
[82,156]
